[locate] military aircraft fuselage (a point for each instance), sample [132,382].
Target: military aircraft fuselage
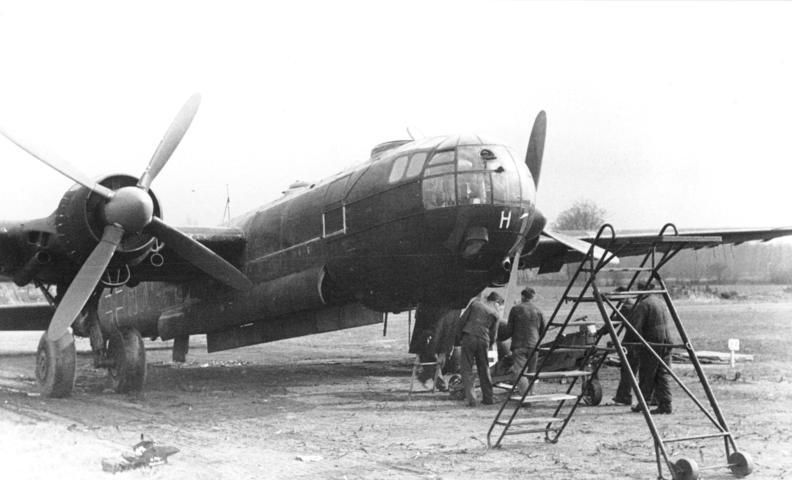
[428,222]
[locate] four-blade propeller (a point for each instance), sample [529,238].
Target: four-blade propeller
[130,210]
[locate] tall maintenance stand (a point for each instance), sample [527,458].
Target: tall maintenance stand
[660,249]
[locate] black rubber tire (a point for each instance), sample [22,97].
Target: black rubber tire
[740,464]
[128,353]
[592,392]
[685,469]
[55,366]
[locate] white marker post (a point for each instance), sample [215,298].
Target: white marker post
[734,346]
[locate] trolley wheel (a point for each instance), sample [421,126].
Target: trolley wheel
[128,353]
[55,363]
[685,469]
[592,392]
[740,464]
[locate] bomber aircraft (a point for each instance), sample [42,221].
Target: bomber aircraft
[424,224]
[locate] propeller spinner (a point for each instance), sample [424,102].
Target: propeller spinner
[130,210]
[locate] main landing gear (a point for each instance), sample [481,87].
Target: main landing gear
[127,356]
[55,366]
[123,354]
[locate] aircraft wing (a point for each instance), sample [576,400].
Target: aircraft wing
[550,254]
[35,316]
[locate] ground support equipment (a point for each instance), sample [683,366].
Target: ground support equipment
[660,249]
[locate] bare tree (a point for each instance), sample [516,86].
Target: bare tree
[582,215]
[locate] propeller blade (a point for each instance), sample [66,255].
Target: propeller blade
[533,157]
[511,287]
[579,245]
[84,283]
[170,141]
[59,164]
[198,255]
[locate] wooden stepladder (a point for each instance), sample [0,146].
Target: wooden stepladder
[514,419]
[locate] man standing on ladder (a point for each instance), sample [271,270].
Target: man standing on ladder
[525,325]
[479,331]
[652,321]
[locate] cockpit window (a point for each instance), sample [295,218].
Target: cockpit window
[470,158]
[505,177]
[397,171]
[481,174]
[416,164]
[439,192]
[473,188]
[442,157]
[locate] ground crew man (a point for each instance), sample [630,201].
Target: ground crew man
[479,329]
[652,320]
[526,324]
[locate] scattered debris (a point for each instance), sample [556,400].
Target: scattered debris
[144,454]
[309,458]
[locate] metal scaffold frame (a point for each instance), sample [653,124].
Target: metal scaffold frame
[661,249]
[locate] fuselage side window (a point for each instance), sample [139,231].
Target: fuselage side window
[397,171]
[333,221]
[416,164]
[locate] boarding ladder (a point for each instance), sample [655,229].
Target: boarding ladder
[514,419]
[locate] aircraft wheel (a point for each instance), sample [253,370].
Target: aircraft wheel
[685,469]
[592,392]
[128,354]
[55,366]
[740,464]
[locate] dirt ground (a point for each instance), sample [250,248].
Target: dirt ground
[335,406]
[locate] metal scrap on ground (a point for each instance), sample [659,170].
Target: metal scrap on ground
[144,454]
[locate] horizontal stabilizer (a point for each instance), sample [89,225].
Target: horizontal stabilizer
[580,245]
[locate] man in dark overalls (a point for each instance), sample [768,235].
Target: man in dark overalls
[526,323]
[652,320]
[479,331]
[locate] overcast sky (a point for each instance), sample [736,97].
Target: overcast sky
[657,112]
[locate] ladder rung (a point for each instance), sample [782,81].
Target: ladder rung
[547,397]
[697,437]
[532,430]
[558,374]
[576,348]
[632,293]
[530,421]
[503,385]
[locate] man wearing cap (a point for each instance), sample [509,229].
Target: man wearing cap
[525,326]
[479,329]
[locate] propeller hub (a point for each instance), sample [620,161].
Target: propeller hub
[131,208]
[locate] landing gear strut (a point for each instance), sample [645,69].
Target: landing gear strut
[55,366]
[128,356]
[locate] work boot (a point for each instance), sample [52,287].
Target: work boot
[661,410]
[622,401]
[488,401]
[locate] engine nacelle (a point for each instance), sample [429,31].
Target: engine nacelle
[80,222]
